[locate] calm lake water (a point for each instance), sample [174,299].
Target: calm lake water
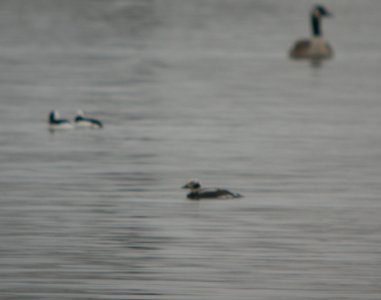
[189,89]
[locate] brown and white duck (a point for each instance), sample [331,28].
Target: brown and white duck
[196,192]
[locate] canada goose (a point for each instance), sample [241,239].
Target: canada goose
[82,121]
[315,47]
[55,122]
[196,192]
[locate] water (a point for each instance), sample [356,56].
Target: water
[189,89]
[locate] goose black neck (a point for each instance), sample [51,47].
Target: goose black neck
[315,25]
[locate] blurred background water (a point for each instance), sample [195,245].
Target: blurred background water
[196,88]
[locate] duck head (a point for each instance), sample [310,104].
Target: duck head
[193,185]
[53,116]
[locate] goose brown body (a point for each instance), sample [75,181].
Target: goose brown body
[311,48]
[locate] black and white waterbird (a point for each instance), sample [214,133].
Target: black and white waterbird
[82,121]
[315,47]
[196,192]
[55,122]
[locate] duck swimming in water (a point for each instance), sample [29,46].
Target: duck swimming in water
[82,121]
[196,192]
[315,47]
[55,122]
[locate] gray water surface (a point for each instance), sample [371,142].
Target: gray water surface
[189,89]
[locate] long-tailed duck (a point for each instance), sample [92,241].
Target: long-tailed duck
[196,192]
[82,121]
[55,122]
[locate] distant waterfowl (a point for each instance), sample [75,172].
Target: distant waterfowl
[55,122]
[196,192]
[315,47]
[82,121]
